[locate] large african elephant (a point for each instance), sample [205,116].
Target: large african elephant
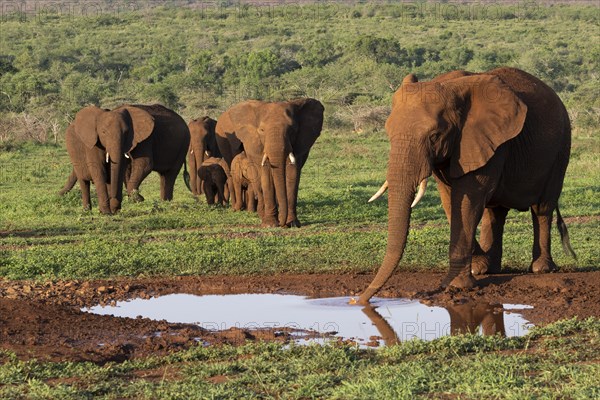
[163,151]
[97,141]
[137,139]
[277,138]
[494,141]
[203,144]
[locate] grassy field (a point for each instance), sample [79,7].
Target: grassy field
[556,362]
[348,56]
[45,236]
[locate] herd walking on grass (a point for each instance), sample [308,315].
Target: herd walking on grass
[493,141]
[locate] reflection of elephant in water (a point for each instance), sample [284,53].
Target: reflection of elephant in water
[244,174]
[151,137]
[214,174]
[494,141]
[464,318]
[203,145]
[277,138]
[468,317]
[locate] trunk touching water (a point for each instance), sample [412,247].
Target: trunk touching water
[399,201]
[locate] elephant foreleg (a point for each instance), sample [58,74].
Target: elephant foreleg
[542,221]
[209,192]
[251,199]
[140,169]
[487,258]
[239,198]
[467,211]
[221,197]
[99,177]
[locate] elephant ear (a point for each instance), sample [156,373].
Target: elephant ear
[203,172]
[245,118]
[494,115]
[143,125]
[308,114]
[85,125]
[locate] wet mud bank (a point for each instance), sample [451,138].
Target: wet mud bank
[46,321]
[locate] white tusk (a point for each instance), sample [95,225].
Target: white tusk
[292,159]
[192,152]
[107,158]
[126,155]
[206,154]
[381,191]
[264,160]
[420,193]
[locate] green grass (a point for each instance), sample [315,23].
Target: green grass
[559,361]
[348,57]
[45,236]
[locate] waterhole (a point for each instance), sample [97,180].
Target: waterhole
[385,321]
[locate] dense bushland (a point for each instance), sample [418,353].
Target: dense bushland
[203,58]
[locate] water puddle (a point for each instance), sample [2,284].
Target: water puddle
[386,321]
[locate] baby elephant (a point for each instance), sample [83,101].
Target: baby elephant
[214,174]
[245,178]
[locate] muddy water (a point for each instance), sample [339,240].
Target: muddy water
[387,321]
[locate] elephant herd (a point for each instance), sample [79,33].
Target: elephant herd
[493,141]
[252,157]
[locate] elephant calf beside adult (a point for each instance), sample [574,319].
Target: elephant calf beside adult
[494,141]
[243,174]
[277,137]
[110,146]
[215,177]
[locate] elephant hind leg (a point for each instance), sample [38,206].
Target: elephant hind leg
[167,184]
[541,214]
[85,194]
[487,256]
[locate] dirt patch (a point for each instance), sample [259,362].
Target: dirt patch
[43,320]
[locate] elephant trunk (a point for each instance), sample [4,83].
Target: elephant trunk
[274,185]
[117,174]
[402,187]
[279,182]
[199,156]
[398,224]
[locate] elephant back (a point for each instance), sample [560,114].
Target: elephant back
[170,137]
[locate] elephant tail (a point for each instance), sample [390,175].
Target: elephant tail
[71,180]
[564,235]
[186,176]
